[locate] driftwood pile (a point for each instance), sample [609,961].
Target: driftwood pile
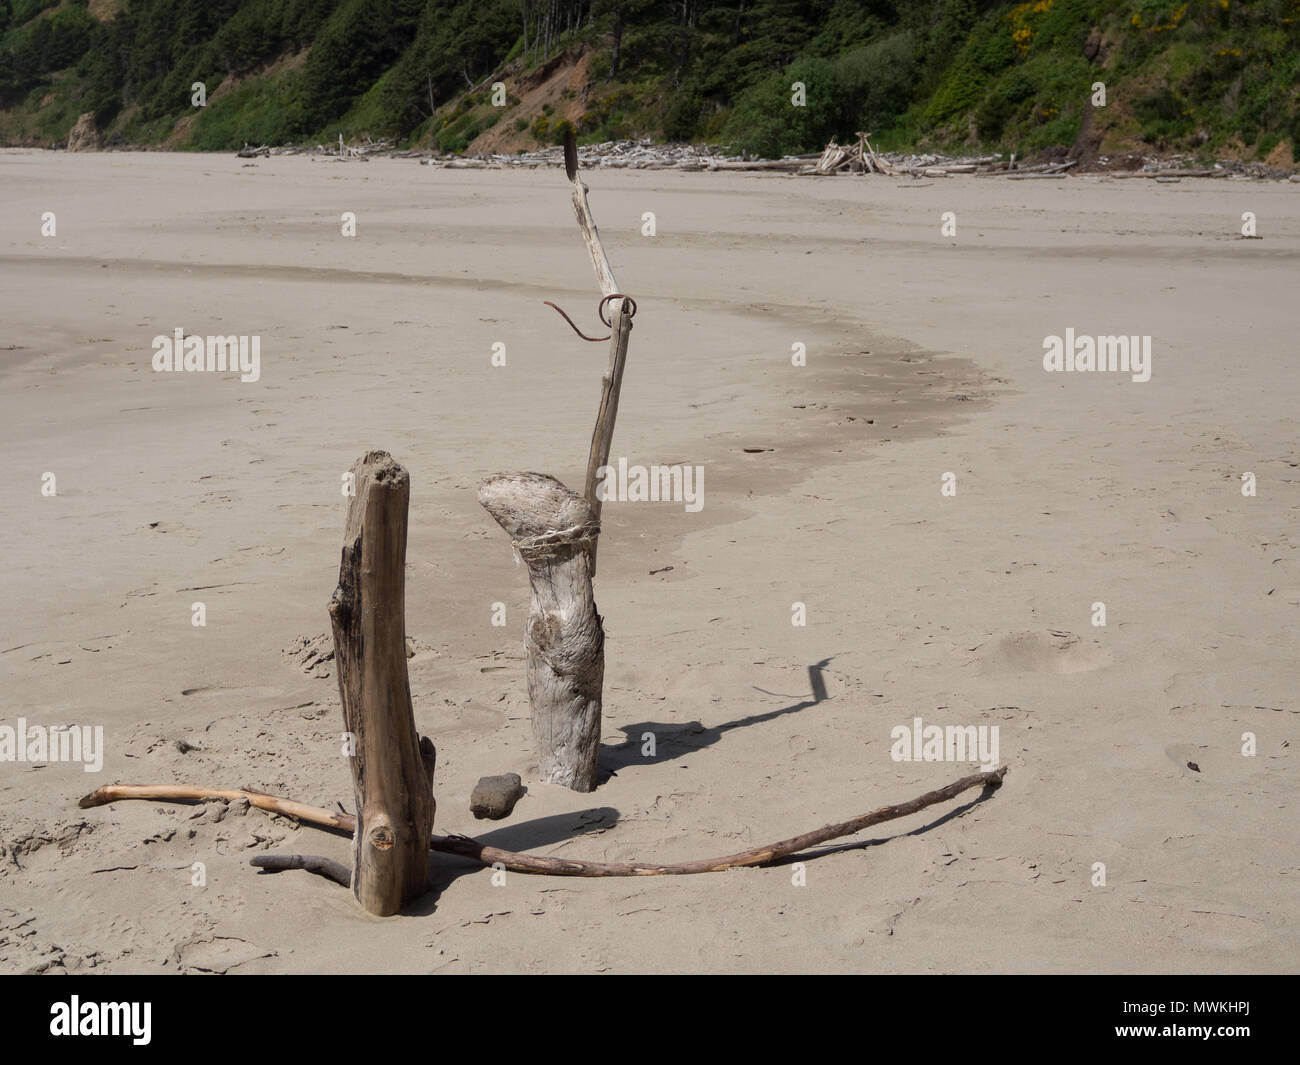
[339,151]
[861,158]
[855,158]
[1186,166]
[645,155]
[1163,173]
[615,155]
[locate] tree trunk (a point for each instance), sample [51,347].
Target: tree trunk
[617,50]
[550,527]
[392,766]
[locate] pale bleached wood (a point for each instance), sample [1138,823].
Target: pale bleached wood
[602,436]
[185,793]
[550,527]
[472,849]
[788,165]
[611,382]
[587,223]
[392,769]
[555,532]
[312,863]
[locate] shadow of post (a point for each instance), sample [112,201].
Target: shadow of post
[669,740]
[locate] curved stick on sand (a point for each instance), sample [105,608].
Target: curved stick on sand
[313,863]
[472,849]
[272,804]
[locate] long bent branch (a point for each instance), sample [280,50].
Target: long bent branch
[466,847]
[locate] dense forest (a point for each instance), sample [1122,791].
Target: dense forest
[1200,76]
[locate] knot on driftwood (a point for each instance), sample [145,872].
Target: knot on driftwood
[555,540]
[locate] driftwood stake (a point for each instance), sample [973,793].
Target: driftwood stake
[602,435]
[550,527]
[587,223]
[392,768]
[531,863]
[554,531]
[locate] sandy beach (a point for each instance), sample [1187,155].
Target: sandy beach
[824,486]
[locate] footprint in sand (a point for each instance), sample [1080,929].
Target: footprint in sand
[208,690]
[1050,651]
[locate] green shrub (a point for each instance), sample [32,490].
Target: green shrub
[876,82]
[767,122]
[559,129]
[261,111]
[682,117]
[1164,116]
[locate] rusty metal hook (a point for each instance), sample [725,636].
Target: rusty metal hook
[594,340]
[600,313]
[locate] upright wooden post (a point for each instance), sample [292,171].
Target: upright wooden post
[555,532]
[551,528]
[392,767]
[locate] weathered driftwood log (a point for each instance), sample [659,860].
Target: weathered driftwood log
[550,527]
[272,804]
[312,863]
[533,863]
[554,531]
[392,767]
[789,165]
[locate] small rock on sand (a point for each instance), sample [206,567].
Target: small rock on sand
[495,797]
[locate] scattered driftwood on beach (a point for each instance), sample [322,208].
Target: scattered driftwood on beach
[858,157]
[341,150]
[1159,174]
[621,155]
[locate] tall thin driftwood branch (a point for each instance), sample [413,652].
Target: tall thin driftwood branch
[611,382]
[472,849]
[602,436]
[555,532]
[587,222]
